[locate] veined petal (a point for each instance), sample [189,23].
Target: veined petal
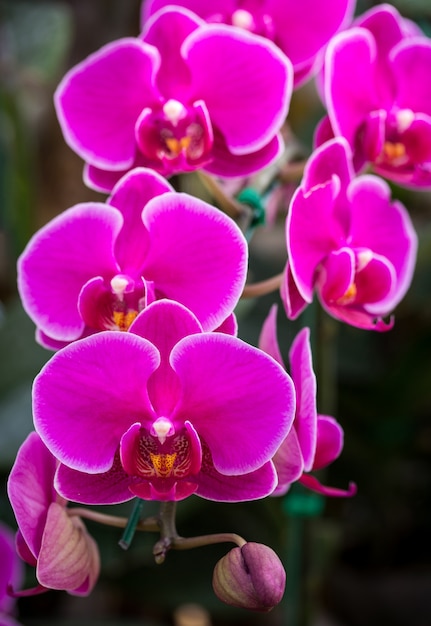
[197,256]
[111,487]
[248,91]
[268,336]
[411,61]
[288,463]
[243,430]
[59,259]
[64,559]
[301,370]
[225,163]
[333,157]
[311,233]
[164,323]
[99,100]
[385,228]
[31,491]
[213,485]
[167,31]
[97,386]
[130,196]
[304,28]
[350,54]
[11,570]
[330,439]
[293,302]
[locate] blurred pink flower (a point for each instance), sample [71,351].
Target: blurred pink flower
[184,95]
[300,29]
[58,545]
[378,95]
[95,266]
[348,241]
[162,412]
[315,440]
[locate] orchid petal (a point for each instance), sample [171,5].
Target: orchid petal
[72,248]
[30,489]
[330,440]
[208,279]
[312,483]
[293,302]
[130,196]
[64,559]
[224,163]
[268,336]
[288,463]
[96,385]
[301,370]
[216,373]
[254,84]
[100,99]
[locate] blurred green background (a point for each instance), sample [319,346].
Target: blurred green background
[360,562]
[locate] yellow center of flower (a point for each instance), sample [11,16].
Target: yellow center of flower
[123,319]
[349,295]
[175,146]
[393,152]
[163,463]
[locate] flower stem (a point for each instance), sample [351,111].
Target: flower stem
[129,531]
[262,288]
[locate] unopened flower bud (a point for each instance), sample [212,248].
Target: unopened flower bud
[251,577]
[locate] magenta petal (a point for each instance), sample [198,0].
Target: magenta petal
[11,570]
[249,88]
[216,373]
[337,276]
[311,233]
[312,483]
[164,323]
[252,486]
[167,32]
[31,491]
[294,304]
[100,99]
[229,165]
[334,157]
[411,66]
[301,370]
[288,463]
[375,285]
[385,228]
[59,259]
[330,440]
[268,336]
[98,386]
[111,487]
[65,557]
[197,256]
[304,28]
[130,196]
[351,54]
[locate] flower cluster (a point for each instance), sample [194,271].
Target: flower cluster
[150,394]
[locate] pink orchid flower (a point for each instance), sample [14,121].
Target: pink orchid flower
[348,241]
[162,412]
[184,95]
[378,95]
[299,29]
[315,440]
[95,266]
[11,572]
[56,543]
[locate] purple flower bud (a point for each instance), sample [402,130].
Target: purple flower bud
[251,577]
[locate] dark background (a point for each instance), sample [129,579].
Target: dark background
[358,562]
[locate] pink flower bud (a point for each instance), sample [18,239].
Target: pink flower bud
[251,577]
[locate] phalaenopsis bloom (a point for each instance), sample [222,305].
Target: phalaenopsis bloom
[315,440]
[378,95]
[97,265]
[55,543]
[185,95]
[299,29]
[347,241]
[163,411]
[11,572]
